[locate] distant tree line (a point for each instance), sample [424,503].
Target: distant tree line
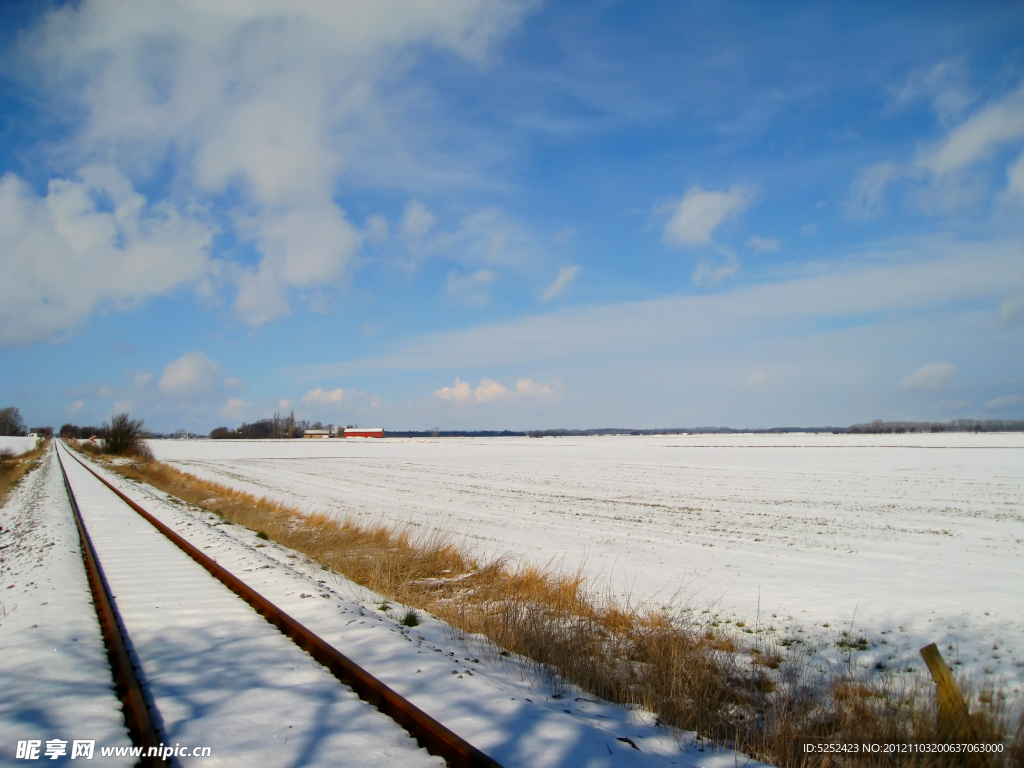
[275,428]
[536,432]
[605,431]
[875,427]
[279,427]
[83,433]
[879,426]
[456,433]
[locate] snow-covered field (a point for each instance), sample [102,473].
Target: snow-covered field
[908,539]
[17,444]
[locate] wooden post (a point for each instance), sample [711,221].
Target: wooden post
[953,715]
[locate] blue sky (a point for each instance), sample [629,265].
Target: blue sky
[505,214]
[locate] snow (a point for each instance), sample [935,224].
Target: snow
[17,444]
[56,679]
[221,676]
[905,539]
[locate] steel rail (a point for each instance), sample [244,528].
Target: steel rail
[428,732]
[137,715]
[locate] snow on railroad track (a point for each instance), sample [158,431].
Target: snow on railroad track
[221,676]
[55,680]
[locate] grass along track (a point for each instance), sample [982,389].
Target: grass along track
[723,684]
[14,466]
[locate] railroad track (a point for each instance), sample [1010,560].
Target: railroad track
[141,716]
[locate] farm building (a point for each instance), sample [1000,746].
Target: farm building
[364,432]
[316,434]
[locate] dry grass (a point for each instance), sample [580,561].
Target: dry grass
[13,466]
[725,686]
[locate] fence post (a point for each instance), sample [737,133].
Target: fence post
[953,715]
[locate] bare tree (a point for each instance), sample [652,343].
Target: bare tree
[11,423]
[123,436]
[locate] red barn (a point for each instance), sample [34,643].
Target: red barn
[364,432]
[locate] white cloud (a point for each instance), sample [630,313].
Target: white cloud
[323,402]
[867,194]
[565,276]
[459,392]
[263,106]
[489,238]
[417,221]
[1004,402]
[285,403]
[489,390]
[300,248]
[122,406]
[235,409]
[530,388]
[919,276]
[948,176]
[1011,310]
[929,376]
[376,230]
[319,396]
[976,138]
[63,256]
[105,391]
[1015,177]
[75,407]
[708,272]
[763,244]
[943,84]
[143,379]
[191,375]
[695,217]
[473,289]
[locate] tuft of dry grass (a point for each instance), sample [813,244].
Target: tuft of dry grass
[89,447]
[752,697]
[14,466]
